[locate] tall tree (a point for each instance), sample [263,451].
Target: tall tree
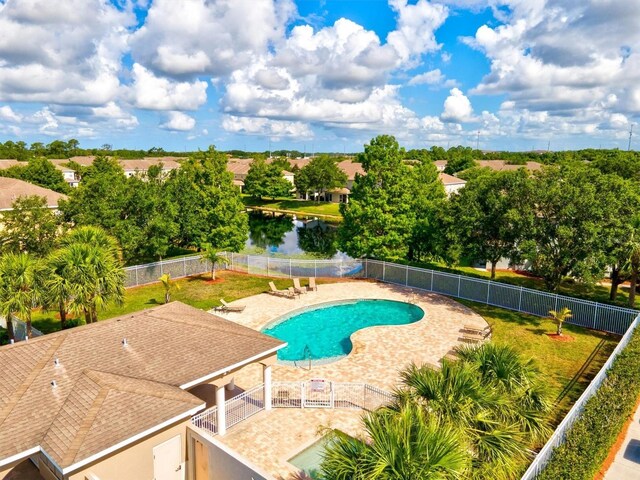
[492,215]
[265,180]
[30,227]
[571,224]
[320,175]
[42,172]
[379,218]
[209,208]
[20,288]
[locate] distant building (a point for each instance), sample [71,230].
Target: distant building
[451,184]
[12,188]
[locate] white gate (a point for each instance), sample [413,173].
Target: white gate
[318,393]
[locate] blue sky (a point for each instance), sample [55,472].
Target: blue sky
[320,75]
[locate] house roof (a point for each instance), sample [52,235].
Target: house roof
[500,165]
[447,179]
[168,163]
[107,393]
[10,162]
[351,168]
[12,188]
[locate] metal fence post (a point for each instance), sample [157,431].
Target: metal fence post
[184,266]
[366,268]
[432,272]
[384,269]
[340,269]
[290,268]
[406,277]
[595,316]
[136,270]
[315,268]
[459,280]
[161,272]
[267,266]
[488,291]
[520,300]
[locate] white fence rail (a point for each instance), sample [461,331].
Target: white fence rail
[558,436]
[295,395]
[594,315]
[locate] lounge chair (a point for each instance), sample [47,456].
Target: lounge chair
[225,307]
[478,330]
[296,286]
[312,285]
[289,293]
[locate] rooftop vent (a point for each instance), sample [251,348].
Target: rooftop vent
[54,384]
[56,362]
[124,342]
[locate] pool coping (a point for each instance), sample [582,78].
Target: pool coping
[317,306]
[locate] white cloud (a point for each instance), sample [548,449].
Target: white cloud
[61,52]
[113,112]
[159,93]
[434,78]
[208,37]
[178,121]
[7,114]
[266,127]
[457,107]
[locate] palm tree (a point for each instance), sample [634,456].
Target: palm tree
[20,289]
[212,255]
[405,444]
[168,285]
[58,287]
[92,267]
[560,317]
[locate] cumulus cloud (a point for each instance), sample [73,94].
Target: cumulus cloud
[577,63]
[61,52]
[208,37]
[7,114]
[159,93]
[457,107]
[266,127]
[433,78]
[178,121]
[112,111]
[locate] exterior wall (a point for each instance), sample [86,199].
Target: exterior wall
[134,461]
[449,189]
[223,463]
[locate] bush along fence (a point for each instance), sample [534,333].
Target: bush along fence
[582,441]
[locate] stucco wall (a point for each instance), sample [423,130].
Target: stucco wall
[135,461]
[224,463]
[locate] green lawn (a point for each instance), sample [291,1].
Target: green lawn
[568,366]
[290,205]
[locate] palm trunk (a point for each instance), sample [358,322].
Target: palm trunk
[632,289]
[94,315]
[10,330]
[87,316]
[28,322]
[493,269]
[167,297]
[615,282]
[559,331]
[63,314]
[213,272]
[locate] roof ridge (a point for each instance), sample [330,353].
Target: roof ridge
[35,371]
[100,378]
[85,426]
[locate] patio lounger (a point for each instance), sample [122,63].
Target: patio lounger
[290,293]
[296,286]
[312,285]
[473,337]
[225,307]
[478,330]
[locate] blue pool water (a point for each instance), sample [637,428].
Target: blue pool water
[323,332]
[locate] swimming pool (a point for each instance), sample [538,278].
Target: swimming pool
[323,332]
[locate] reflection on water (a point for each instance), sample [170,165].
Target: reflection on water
[287,236]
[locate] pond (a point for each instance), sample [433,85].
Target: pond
[287,236]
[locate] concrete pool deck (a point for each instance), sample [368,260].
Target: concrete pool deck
[379,353]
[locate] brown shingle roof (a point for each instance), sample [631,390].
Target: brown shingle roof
[10,162]
[12,188]
[107,393]
[447,179]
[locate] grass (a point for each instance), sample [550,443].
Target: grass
[197,291]
[567,366]
[290,205]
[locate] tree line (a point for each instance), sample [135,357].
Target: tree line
[574,219]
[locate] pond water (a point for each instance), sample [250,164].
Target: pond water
[287,236]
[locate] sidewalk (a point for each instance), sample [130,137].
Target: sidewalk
[626,465]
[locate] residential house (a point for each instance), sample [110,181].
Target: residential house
[496,165]
[451,184]
[12,188]
[114,399]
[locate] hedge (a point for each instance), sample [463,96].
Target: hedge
[588,442]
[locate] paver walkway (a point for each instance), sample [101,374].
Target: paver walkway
[626,465]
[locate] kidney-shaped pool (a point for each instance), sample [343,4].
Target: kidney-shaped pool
[323,332]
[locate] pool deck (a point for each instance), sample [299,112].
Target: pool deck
[379,353]
[269,439]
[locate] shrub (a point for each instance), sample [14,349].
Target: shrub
[74,322]
[591,437]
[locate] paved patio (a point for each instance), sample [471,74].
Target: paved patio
[379,353]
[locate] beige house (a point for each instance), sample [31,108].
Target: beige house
[12,188]
[496,165]
[451,184]
[114,400]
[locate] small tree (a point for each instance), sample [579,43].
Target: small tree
[560,317]
[210,253]
[168,286]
